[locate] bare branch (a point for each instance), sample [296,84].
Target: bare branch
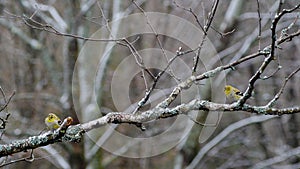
[7,101]
[206,28]
[192,12]
[30,158]
[227,131]
[272,102]
[259,24]
[156,78]
[49,28]
[268,59]
[71,134]
[277,159]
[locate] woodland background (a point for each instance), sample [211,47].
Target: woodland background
[39,65]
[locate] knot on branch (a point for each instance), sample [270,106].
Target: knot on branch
[73,134]
[62,130]
[115,118]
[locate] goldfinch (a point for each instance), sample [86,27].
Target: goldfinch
[232,92]
[52,121]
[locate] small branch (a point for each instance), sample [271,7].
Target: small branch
[272,74]
[206,28]
[280,3]
[211,15]
[144,100]
[156,78]
[288,37]
[225,133]
[277,159]
[6,101]
[259,24]
[138,58]
[268,59]
[272,102]
[26,159]
[5,119]
[192,12]
[222,34]
[49,28]
[211,73]
[274,25]
[33,43]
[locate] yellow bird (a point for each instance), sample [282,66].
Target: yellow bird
[232,92]
[52,121]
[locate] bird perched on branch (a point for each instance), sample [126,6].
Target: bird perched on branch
[232,92]
[52,121]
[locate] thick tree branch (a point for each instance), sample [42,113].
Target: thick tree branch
[74,133]
[71,134]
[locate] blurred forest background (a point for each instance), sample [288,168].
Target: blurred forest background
[39,66]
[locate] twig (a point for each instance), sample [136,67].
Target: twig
[272,74]
[192,12]
[4,121]
[49,28]
[226,132]
[281,157]
[223,34]
[30,158]
[259,24]
[138,58]
[156,78]
[272,102]
[6,101]
[188,82]
[280,3]
[206,28]
[268,59]
[144,100]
